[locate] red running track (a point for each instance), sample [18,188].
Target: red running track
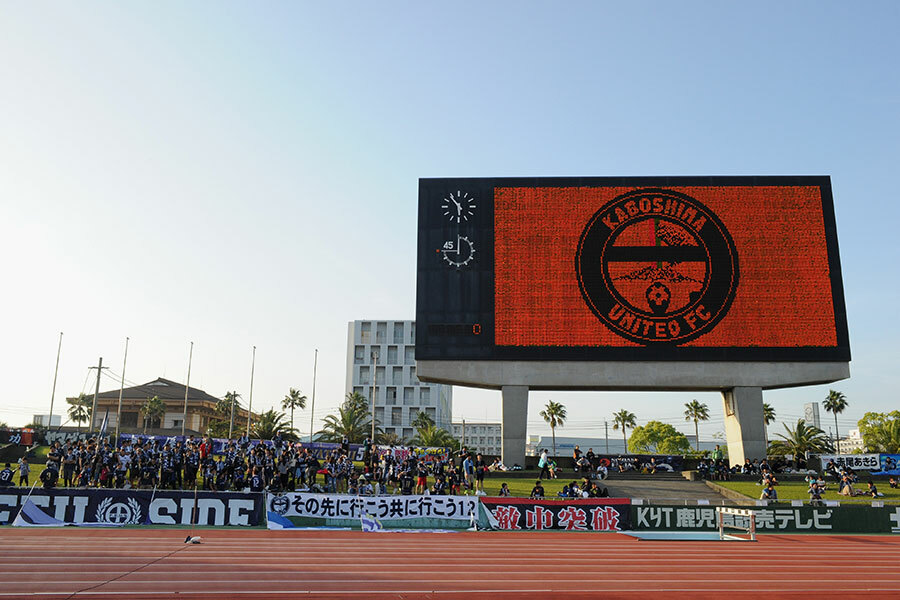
[155,563]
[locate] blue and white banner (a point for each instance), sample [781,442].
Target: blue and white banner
[73,506]
[889,464]
[857,462]
[297,509]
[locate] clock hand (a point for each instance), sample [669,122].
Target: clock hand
[458,238]
[458,206]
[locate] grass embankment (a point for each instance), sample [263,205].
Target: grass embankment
[796,490]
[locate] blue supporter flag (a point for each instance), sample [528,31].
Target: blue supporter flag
[370,523]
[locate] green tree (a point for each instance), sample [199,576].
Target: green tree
[79,409]
[422,420]
[880,431]
[226,408]
[696,412]
[152,409]
[430,435]
[554,414]
[353,420]
[658,438]
[293,399]
[835,403]
[623,419]
[768,418]
[800,441]
[271,423]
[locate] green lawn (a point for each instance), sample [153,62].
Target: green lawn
[796,490]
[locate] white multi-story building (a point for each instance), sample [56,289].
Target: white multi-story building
[853,442]
[399,395]
[484,437]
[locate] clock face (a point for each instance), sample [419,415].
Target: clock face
[459,253]
[458,207]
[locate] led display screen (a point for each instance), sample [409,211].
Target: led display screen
[712,268]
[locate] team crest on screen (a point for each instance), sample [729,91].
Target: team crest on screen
[657,267]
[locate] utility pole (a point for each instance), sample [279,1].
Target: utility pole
[250,403]
[121,390]
[374,390]
[312,411]
[463,441]
[187,387]
[99,368]
[53,393]
[606,429]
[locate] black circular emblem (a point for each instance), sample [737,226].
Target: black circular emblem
[280,504]
[657,267]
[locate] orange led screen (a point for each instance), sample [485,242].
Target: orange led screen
[668,268]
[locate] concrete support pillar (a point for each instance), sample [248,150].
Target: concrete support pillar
[744,424]
[514,419]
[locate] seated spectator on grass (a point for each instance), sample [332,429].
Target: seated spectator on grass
[891,482]
[815,494]
[551,466]
[872,490]
[6,476]
[538,490]
[769,493]
[598,492]
[602,472]
[504,490]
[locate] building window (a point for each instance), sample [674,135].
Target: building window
[177,423]
[431,413]
[381,333]
[379,415]
[391,396]
[408,395]
[365,332]
[359,390]
[396,416]
[412,333]
[425,395]
[392,355]
[379,372]
[407,433]
[409,355]
[364,375]
[398,332]
[413,413]
[397,376]
[129,419]
[359,355]
[412,376]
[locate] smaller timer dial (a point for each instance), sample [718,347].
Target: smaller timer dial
[458,253]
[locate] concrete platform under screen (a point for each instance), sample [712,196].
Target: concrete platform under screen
[741,384]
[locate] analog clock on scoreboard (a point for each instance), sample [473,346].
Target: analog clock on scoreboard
[654,268]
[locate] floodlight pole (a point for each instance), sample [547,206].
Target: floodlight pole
[186,388]
[250,402]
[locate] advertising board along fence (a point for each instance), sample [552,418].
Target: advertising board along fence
[73,506]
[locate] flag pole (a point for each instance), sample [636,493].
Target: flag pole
[312,411]
[250,402]
[186,388]
[55,373]
[121,390]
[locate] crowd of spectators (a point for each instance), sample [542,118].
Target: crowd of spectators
[242,465]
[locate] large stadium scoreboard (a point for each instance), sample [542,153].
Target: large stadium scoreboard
[649,268]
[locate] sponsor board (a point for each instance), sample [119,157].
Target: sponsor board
[19,437]
[137,507]
[587,514]
[298,509]
[806,519]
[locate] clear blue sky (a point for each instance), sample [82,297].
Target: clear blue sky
[241,173]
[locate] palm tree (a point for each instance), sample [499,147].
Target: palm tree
[696,412]
[885,436]
[624,419]
[353,421]
[152,409]
[293,399]
[835,403]
[391,439]
[768,418]
[555,415]
[79,409]
[431,436]
[800,441]
[269,424]
[422,420]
